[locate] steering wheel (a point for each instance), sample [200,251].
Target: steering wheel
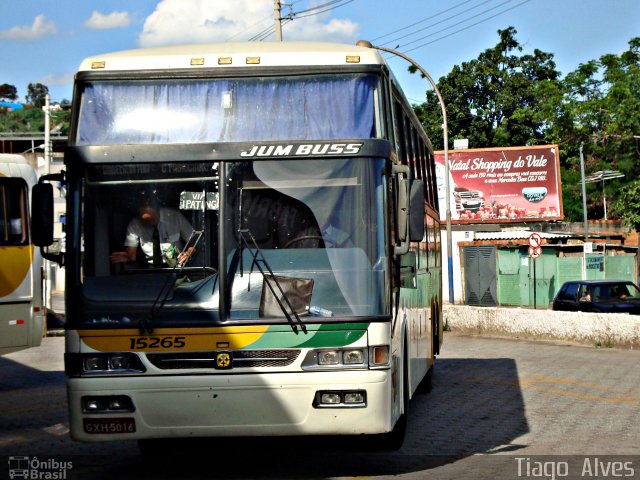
[310,237]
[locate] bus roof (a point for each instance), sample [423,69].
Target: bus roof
[236,54]
[17,166]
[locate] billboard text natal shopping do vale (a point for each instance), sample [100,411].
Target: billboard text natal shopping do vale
[508,184]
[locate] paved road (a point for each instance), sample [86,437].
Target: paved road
[494,401]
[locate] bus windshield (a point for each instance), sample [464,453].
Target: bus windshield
[316,226]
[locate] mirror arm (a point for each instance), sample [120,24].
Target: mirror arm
[53,177]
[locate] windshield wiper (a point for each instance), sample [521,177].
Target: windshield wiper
[249,242]
[146,323]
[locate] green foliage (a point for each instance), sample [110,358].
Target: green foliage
[26,120]
[36,93]
[501,98]
[627,205]
[601,110]
[8,92]
[31,119]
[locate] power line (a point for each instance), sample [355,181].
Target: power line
[444,20]
[250,27]
[332,2]
[472,25]
[420,21]
[267,32]
[296,15]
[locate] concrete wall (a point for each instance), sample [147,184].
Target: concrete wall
[595,329]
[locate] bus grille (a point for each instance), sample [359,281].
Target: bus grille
[241,359]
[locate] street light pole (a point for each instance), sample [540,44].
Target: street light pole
[364,43]
[47,134]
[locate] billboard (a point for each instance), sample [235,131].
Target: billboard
[493,185]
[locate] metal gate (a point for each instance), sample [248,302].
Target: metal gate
[480,276]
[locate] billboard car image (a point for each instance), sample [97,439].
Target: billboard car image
[501,184]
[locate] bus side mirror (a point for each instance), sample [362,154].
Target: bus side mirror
[416,211]
[42,214]
[401,172]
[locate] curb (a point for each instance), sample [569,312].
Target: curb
[594,329]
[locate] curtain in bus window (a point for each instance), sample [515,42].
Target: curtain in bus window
[228,110]
[342,195]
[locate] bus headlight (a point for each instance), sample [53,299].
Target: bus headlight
[347,358]
[329,357]
[353,357]
[77,364]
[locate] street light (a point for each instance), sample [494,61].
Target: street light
[365,43]
[601,176]
[32,149]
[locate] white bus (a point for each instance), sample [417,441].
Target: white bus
[21,307]
[312,303]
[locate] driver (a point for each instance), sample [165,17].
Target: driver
[161,233]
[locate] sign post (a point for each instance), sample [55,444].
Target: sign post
[535,250]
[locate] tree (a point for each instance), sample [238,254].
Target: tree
[8,92]
[601,109]
[627,205]
[36,93]
[499,99]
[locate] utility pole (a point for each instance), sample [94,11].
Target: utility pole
[277,17]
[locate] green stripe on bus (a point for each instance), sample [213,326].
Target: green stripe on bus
[327,335]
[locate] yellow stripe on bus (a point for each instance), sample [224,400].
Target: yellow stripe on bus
[16,261]
[170,339]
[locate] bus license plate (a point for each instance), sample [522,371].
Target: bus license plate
[109,425]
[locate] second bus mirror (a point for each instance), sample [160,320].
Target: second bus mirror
[42,214]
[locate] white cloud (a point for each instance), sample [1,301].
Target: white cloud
[313,28]
[59,79]
[199,21]
[99,21]
[40,27]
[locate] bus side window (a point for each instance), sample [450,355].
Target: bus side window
[13,207]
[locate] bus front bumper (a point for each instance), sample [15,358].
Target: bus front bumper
[231,405]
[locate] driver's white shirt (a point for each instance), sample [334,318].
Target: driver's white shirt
[173,227]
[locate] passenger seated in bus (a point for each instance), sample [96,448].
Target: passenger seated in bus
[160,232]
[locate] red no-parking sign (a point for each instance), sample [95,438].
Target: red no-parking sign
[535,245]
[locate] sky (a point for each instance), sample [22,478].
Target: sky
[44,41]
